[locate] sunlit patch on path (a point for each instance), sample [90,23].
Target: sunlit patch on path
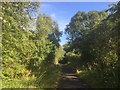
[70,80]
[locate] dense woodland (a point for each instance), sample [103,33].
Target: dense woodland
[31,53]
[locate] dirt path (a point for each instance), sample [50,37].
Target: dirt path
[69,79]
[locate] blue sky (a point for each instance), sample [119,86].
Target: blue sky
[63,11]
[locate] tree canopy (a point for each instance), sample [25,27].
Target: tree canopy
[94,37]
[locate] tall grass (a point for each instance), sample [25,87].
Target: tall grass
[47,78]
[99,79]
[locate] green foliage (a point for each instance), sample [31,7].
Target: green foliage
[29,56]
[17,49]
[59,54]
[24,50]
[97,79]
[48,76]
[95,35]
[19,83]
[81,23]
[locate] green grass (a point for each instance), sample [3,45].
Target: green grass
[50,77]
[18,83]
[98,79]
[0,84]
[47,79]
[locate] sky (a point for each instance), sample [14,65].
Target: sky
[62,12]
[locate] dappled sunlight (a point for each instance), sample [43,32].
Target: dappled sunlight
[32,54]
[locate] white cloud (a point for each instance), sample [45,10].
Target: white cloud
[62,25]
[53,16]
[46,7]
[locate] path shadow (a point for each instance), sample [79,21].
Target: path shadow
[69,79]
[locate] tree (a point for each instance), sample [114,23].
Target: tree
[95,35]
[16,46]
[81,24]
